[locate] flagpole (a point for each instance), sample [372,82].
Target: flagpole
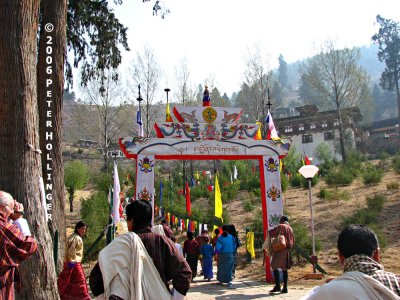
[140,122]
[269,104]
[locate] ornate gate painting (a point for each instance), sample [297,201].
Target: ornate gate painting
[210,133]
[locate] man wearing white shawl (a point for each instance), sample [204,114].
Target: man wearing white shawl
[363,278]
[127,266]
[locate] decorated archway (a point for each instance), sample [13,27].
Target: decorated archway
[210,133]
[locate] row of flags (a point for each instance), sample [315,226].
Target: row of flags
[217,196]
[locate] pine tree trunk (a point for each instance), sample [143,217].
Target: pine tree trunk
[20,163]
[52,46]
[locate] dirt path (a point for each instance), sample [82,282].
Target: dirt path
[242,289]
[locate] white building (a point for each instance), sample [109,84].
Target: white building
[311,128]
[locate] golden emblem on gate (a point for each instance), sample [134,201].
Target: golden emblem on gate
[209,114]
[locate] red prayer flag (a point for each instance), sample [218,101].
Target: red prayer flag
[306,160]
[188,205]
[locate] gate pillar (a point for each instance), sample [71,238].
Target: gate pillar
[145,179]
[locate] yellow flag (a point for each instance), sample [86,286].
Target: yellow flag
[258,134]
[218,201]
[168,117]
[250,243]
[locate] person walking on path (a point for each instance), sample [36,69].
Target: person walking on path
[281,259]
[201,240]
[364,277]
[71,281]
[177,245]
[15,245]
[225,248]
[207,252]
[233,232]
[191,251]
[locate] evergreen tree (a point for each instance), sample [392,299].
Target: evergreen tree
[227,102]
[308,95]
[388,40]
[283,72]
[277,93]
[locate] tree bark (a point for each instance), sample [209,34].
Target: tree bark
[52,46]
[20,158]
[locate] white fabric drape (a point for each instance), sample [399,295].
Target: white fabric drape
[352,285]
[129,272]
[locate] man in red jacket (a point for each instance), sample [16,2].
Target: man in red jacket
[15,247]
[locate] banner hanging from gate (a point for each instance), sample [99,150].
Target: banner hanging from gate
[273,190]
[145,178]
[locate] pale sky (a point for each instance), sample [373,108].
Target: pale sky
[215,35]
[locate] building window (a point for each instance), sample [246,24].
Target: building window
[324,125]
[301,127]
[312,126]
[288,129]
[336,123]
[307,138]
[329,135]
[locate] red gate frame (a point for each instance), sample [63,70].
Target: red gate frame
[259,158]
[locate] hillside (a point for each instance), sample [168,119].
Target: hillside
[328,216]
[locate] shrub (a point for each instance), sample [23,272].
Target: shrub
[383,155]
[396,164]
[339,176]
[326,166]
[257,223]
[230,192]
[376,203]
[248,206]
[323,152]
[363,216]
[373,177]
[257,192]
[295,181]
[335,194]
[95,212]
[392,186]
[250,182]
[304,182]
[102,181]
[354,159]
[284,182]
[199,192]
[304,239]
[371,174]
[324,193]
